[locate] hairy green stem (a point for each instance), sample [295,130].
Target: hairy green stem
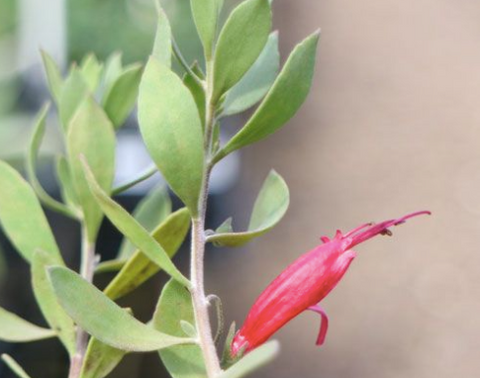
[87,268]
[200,302]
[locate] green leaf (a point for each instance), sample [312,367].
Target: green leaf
[65,182]
[282,101]
[172,131]
[104,319]
[53,313]
[91,135]
[133,230]
[227,358]
[91,70]
[253,360]
[113,69]
[139,268]
[17,330]
[206,16]
[241,41]
[32,156]
[22,216]
[14,366]
[54,77]
[72,95]
[175,306]
[256,82]
[150,212]
[162,46]
[100,359]
[270,207]
[197,91]
[121,98]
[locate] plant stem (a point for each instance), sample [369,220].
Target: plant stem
[199,299]
[86,270]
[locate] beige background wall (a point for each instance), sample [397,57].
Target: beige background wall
[392,126]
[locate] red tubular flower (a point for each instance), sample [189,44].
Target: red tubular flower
[304,284]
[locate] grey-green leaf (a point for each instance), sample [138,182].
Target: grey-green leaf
[114,327]
[74,91]
[91,70]
[133,230]
[241,41]
[17,330]
[91,135]
[175,306]
[256,82]
[139,268]
[282,101]
[197,91]
[54,77]
[162,47]
[64,177]
[172,131]
[113,69]
[150,212]
[253,360]
[47,301]
[31,166]
[206,16]
[22,217]
[270,207]
[100,359]
[14,366]
[121,98]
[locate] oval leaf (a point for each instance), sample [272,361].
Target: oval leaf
[54,78]
[35,142]
[139,268]
[241,41]
[48,303]
[16,330]
[253,360]
[172,131]
[121,98]
[100,359]
[162,46]
[73,93]
[65,182]
[270,207]
[150,212]
[22,217]
[206,14]
[104,319]
[282,101]
[256,82]
[132,229]
[175,306]
[91,70]
[91,135]
[113,69]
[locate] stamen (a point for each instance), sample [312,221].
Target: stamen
[382,228]
[359,228]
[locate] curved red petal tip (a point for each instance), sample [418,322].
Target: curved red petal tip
[380,228]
